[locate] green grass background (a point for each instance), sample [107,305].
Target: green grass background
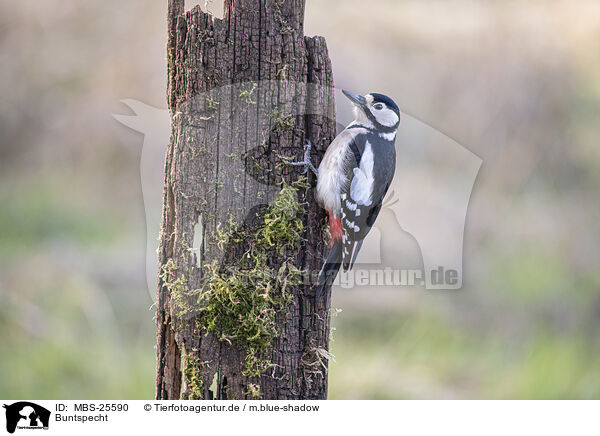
[516,82]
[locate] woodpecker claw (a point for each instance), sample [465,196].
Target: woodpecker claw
[306,163]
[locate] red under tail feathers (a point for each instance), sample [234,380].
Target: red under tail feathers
[335,228]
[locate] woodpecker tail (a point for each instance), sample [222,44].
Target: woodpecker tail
[329,270]
[352,250]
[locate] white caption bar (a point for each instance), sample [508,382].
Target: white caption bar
[316,417]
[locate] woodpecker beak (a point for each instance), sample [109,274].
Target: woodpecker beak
[358,100]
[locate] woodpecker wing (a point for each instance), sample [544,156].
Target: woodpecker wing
[369,172]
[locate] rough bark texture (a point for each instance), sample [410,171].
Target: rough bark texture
[243,92]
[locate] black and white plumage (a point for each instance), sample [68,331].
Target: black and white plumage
[353,178]
[372,163]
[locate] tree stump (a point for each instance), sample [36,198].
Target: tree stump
[242,236]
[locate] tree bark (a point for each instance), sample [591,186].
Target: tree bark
[241,234]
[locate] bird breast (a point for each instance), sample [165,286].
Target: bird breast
[332,178]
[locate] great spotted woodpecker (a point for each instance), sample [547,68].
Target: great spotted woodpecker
[353,178]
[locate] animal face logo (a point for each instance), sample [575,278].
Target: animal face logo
[422,224]
[26,415]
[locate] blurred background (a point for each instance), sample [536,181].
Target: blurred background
[516,82]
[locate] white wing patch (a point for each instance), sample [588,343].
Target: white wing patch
[388,136]
[352,225]
[362,183]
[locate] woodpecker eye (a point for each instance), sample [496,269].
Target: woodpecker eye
[378,106]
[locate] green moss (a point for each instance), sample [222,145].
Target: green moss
[253,390]
[282,122]
[246,95]
[316,359]
[177,287]
[240,303]
[233,235]
[284,27]
[282,73]
[192,373]
[211,103]
[282,227]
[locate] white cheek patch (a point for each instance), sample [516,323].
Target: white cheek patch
[362,183]
[385,117]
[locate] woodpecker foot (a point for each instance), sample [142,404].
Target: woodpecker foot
[306,163]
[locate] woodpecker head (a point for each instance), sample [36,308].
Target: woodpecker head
[375,111]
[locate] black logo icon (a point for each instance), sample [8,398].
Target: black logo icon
[26,415]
